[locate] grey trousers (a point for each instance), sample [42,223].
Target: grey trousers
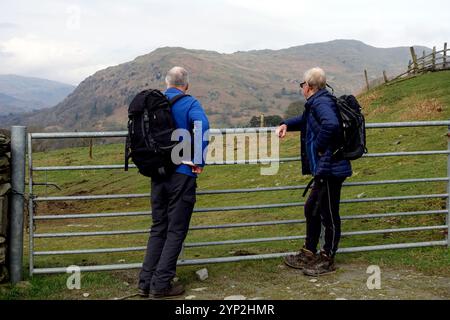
[172,205]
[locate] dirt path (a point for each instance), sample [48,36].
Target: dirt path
[349,282]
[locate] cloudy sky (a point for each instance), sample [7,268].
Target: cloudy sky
[70,40]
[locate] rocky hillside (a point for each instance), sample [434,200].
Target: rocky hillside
[232,87]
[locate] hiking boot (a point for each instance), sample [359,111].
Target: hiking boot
[144,293]
[301,260]
[323,265]
[173,290]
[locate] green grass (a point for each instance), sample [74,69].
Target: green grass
[423,98]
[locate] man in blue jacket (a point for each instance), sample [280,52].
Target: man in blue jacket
[320,137]
[173,199]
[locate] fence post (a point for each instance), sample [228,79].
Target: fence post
[434,58]
[91,143]
[445,55]
[414,59]
[448,189]
[18,149]
[367,79]
[30,206]
[385,77]
[423,61]
[262,121]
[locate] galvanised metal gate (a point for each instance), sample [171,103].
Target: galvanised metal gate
[76,135]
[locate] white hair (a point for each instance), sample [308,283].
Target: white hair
[177,77]
[315,78]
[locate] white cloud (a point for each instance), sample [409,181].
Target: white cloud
[36,56]
[33,50]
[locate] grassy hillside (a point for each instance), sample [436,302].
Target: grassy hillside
[423,98]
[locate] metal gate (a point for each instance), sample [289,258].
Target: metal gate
[34,198]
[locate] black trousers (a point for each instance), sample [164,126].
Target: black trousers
[322,208]
[172,205]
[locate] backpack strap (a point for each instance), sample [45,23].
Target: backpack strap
[146,120]
[332,89]
[308,187]
[177,98]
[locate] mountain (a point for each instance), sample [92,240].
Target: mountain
[9,105]
[24,94]
[231,87]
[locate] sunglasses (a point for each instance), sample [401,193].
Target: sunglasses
[302,84]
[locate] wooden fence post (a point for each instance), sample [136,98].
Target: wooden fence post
[262,121]
[367,79]
[385,77]
[434,58]
[409,66]
[90,148]
[414,59]
[445,55]
[423,61]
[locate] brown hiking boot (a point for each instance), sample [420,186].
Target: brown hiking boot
[323,265]
[174,290]
[301,260]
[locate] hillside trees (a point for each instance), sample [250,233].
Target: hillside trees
[294,109]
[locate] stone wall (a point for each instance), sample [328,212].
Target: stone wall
[5,191]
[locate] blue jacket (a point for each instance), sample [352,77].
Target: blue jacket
[320,132]
[186,112]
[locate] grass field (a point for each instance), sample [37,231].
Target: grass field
[422,98]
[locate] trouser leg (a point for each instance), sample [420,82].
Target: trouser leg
[313,222]
[329,212]
[158,234]
[181,189]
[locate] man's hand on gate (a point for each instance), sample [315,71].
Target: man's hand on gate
[281,131]
[197,169]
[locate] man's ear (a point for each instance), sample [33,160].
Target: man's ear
[187,87]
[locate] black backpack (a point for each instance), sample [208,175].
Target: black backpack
[353,125]
[150,128]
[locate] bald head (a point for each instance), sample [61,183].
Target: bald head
[177,77]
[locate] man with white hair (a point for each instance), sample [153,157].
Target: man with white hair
[173,198]
[320,137]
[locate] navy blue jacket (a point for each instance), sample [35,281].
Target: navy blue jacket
[320,133]
[187,112]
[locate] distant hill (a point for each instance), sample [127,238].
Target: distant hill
[20,94]
[9,105]
[232,87]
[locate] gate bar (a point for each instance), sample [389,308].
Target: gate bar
[241,258]
[147,213]
[232,208]
[285,188]
[241,241]
[121,134]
